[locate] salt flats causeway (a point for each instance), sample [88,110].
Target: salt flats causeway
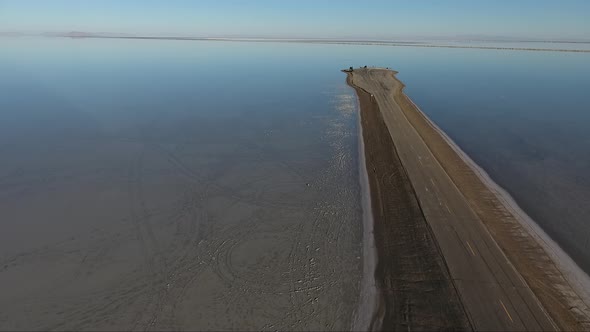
[453,252]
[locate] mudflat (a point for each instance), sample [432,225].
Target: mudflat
[505,279]
[191,222]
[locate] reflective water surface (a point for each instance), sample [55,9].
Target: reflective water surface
[175,186]
[209,185]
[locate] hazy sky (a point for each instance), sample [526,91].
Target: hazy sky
[377,19]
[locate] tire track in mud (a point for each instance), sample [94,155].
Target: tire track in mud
[223,248]
[228,192]
[74,317]
[223,251]
[122,295]
[97,247]
[307,282]
[159,270]
[183,269]
[321,240]
[170,276]
[186,261]
[149,246]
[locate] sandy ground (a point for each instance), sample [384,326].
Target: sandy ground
[506,276]
[195,225]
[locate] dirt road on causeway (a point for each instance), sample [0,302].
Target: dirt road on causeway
[456,231]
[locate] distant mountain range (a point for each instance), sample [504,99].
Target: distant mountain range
[11,34]
[457,38]
[84,34]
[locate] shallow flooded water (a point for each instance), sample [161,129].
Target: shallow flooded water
[155,188]
[210,185]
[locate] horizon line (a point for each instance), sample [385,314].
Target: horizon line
[466,37]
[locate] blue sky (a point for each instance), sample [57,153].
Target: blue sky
[367,19]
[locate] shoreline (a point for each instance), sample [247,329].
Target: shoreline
[576,277]
[557,282]
[366,316]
